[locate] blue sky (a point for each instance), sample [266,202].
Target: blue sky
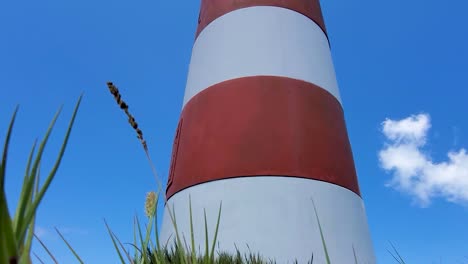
[394,59]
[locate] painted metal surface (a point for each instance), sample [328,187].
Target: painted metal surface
[274,216]
[262,130]
[212,9]
[261,41]
[262,125]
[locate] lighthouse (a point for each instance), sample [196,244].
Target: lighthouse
[262,130]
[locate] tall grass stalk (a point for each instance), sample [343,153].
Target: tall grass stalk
[131,120]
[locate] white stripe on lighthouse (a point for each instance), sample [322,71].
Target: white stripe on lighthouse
[261,40]
[274,216]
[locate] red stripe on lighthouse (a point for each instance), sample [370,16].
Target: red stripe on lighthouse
[212,9]
[262,125]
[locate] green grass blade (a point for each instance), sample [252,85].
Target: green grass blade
[207,255]
[25,201]
[160,259]
[135,247]
[399,259]
[114,242]
[25,254]
[8,247]
[394,257]
[192,236]
[32,209]
[355,257]
[143,249]
[180,249]
[167,241]
[186,246]
[24,207]
[19,214]
[30,157]
[135,239]
[60,156]
[125,251]
[321,234]
[5,150]
[46,249]
[216,233]
[148,232]
[24,204]
[152,253]
[156,233]
[38,258]
[69,246]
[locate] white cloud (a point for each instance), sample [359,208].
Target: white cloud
[413,171]
[412,129]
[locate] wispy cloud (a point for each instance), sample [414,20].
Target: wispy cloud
[41,232]
[72,230]
[49,232]
[413,170]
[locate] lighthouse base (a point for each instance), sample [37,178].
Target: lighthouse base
[274,216]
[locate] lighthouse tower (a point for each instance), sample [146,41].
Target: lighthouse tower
[262,130]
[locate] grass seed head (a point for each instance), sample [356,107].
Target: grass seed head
[124,106]
[150,203]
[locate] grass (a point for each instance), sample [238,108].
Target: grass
[17,232]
